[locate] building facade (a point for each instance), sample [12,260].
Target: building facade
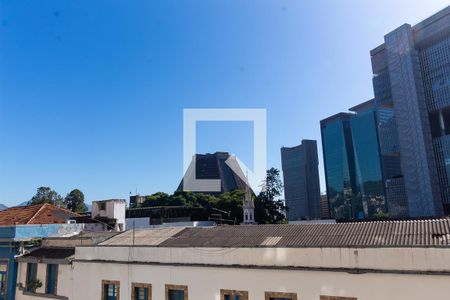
[412,79]
[300,166]
[45,271]
[211,169]
[111,212]
[19,228]
[400,143]
[346,261]
[353,160]
[339,163]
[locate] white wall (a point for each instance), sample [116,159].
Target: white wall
[405,259]
[141,223]
[64,284]
[114,209]
[205,283]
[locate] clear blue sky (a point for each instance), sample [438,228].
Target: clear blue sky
[92,92]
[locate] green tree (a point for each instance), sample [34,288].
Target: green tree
[157,199]
[269,209]
[380,215]
[232,203]
[45,194]
[74,201]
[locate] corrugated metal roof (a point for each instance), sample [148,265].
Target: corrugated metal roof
[147,237]
[364,234]
[414,233]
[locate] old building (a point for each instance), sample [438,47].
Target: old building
[363,261]
[111,212]
[44,272]
[19,227]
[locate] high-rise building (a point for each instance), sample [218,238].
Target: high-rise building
[412,80]
[368,167]
[394,152]
[353,163]
[301,180]
[339,162]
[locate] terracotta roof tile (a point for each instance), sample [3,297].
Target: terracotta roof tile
[35,214]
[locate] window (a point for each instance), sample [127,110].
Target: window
[110,290]
[31,279]
[336,298]
[280,296]
[233,295]
[3,274]
[176,292]
[102,206]
[141,291]
[51,279]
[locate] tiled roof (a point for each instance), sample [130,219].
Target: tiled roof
[35,214]
[417,233]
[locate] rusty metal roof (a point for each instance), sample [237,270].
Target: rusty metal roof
[414,233]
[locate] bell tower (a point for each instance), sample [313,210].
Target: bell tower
[248,207]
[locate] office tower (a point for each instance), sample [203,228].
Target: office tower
[353,163]
[219,165]
[368,166]
[412,79]
[339,162]
[301,181]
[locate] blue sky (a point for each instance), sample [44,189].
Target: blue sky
[92,92]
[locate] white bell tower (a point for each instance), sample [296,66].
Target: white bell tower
[248,207]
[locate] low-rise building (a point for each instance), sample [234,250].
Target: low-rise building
[19,228]
[344,261]
[111,212]
[46,272]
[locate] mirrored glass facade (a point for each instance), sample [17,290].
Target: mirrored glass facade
[369,176]
[339,164]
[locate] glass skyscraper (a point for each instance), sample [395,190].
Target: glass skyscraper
[412,84]
[394,152]
[339,162]
[353,163]
[368,167]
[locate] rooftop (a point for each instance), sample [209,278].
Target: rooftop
[414,233]
[143,237]
[35,214]
[49,254]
